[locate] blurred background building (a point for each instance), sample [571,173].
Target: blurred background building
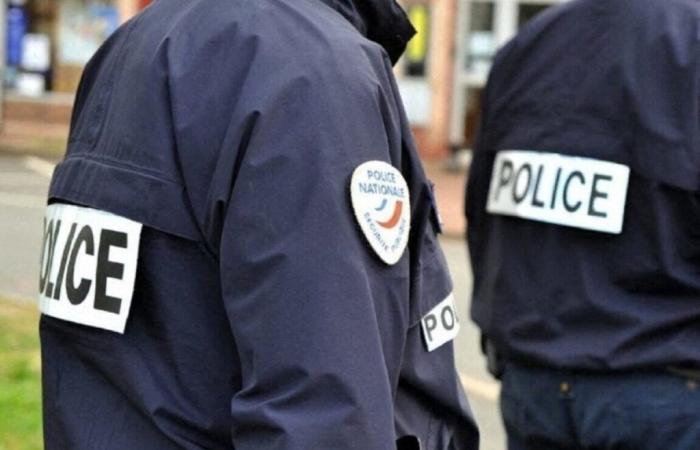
[48,42]
[445,68]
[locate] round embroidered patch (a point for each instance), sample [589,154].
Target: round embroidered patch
[381,202]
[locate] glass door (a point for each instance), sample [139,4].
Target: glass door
[483,27]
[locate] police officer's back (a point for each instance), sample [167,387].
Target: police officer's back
[240,249]
[583,211]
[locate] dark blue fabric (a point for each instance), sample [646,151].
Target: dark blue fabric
[559,410]
[616,81]
[261,317]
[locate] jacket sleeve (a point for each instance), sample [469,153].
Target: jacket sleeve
[320,322]
[306,298]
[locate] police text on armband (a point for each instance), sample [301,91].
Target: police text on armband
[548,187]
[441,324]
[88,266]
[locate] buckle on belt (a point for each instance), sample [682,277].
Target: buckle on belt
[408,443]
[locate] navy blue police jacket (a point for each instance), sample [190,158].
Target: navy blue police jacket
[583,201]
[221,136]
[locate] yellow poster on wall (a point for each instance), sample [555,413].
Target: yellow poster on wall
[418,47]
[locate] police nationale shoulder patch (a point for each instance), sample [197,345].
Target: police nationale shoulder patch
[88,266]
[381,202]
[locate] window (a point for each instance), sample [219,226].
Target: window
[481,44]
[528,11]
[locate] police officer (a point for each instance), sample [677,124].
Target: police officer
[583,227]
[240,247]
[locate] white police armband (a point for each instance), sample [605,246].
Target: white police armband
[441,324]
[88,266]
[564,190]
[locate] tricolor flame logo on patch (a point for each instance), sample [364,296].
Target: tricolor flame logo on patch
[395,217]
[381,202]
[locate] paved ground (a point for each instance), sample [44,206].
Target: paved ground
[23,187]
[483,391]
[449,192]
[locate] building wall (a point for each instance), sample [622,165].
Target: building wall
[128,9]
[441,78]
[426,92]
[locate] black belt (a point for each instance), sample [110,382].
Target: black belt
[692,373]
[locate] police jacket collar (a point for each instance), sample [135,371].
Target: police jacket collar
[382,21]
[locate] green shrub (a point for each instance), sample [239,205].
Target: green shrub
[20,378]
